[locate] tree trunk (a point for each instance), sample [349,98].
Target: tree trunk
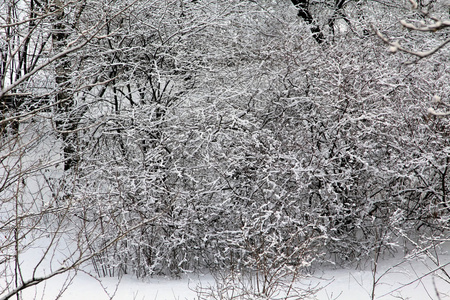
[64,123]
[304,13]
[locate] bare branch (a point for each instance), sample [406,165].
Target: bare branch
[36,280]
[395,46]
[437,25]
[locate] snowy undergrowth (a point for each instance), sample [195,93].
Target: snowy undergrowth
[50,247]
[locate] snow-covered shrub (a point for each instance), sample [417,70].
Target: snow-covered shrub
[280,149]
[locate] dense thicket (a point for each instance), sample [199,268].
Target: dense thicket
[227,136]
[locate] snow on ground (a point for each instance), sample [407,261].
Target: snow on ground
[86,287]
[400,282]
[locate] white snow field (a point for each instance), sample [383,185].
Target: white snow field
[396,280]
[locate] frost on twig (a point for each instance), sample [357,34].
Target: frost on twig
[395,46]
[432,111]
[437,100]
[414,4]
[435,25]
